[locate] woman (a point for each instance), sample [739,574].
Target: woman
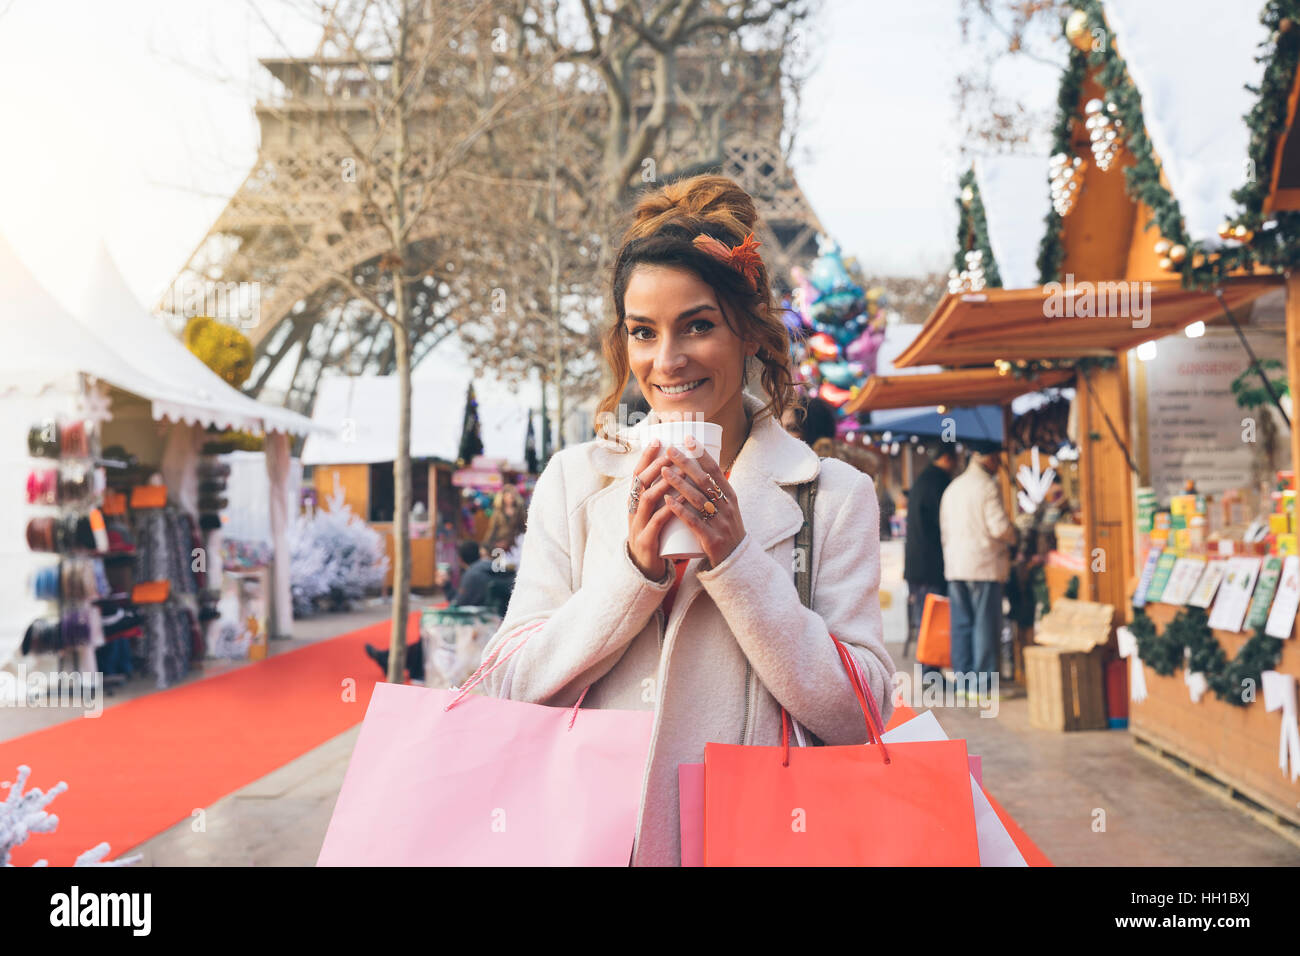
[716,645]
[506,527]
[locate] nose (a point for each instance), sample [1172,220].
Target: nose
[671,356]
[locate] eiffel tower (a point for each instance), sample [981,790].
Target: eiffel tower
[280,228]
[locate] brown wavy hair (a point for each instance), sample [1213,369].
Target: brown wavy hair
[664,224]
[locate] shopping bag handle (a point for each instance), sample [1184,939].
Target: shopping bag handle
[484,670]
[866,700]
[480,675]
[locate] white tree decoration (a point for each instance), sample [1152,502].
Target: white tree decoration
[23,813]
[334,554]
[1035,484]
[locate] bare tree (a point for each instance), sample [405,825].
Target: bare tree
[651,91]
[417,95]
[994,32]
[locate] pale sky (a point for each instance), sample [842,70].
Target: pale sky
[132,121]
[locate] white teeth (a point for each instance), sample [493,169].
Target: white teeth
[678,389]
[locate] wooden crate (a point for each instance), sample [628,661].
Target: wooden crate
[1066,688]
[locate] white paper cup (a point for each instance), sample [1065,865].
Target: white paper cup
[678,540]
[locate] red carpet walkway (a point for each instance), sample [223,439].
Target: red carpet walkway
[149,763]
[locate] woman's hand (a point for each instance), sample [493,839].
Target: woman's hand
[646,522]
[689,474]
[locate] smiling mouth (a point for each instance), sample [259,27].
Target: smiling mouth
[681,389]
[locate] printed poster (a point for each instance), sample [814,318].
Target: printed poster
[1144,581]
[1282,617]
[1234,594]
[1264,591]
[1208,586]
[1164,567]
[1182,580]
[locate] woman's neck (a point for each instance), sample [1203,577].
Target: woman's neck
[735,429]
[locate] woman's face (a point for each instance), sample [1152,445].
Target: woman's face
[685,358]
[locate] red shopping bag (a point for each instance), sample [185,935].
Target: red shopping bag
[903,804]
[439,778]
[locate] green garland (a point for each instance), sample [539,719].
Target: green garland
[1267,121]
[1190,631]
[973,231]
[1051,251]
[1257,655]
[1163,653]
[1032,368]
[1275,247]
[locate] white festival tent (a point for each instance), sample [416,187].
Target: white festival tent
[159,402]
[361,413]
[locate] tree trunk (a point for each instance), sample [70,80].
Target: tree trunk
[402,352]
[401,501]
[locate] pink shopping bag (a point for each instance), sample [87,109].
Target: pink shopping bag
[488,782]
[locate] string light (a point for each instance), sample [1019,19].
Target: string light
[1066,174]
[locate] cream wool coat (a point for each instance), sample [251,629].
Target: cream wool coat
[605,628]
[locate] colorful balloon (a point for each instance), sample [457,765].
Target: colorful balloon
[834,396]
[823,347]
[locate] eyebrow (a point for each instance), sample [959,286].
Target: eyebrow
[702,307]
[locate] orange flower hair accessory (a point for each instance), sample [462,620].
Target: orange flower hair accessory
[744,258]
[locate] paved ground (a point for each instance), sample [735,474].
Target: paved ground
[1053,784]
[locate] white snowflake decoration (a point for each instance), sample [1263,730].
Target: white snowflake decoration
[93,405]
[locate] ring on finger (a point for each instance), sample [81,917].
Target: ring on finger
[717,492]
[708,511]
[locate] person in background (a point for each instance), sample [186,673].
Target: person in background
[505,531]
[473,592]
[885,501]
[977,536]
[923,548]
[476,580]
[810,419]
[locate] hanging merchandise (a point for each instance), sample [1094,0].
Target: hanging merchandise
[76,484]
[45,583]
[42,486]
[41,534]
[43,440]
[73,441]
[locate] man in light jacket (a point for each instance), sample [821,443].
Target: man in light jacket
[977,536]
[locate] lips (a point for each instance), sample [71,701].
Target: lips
[682,389]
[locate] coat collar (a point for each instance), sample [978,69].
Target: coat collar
[770,458]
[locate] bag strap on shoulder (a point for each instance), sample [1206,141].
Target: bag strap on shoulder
[803,542]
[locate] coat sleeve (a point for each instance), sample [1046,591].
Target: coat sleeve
[585,629]
[995,517]
[789,645]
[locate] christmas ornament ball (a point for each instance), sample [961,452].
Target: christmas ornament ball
[1076,30]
